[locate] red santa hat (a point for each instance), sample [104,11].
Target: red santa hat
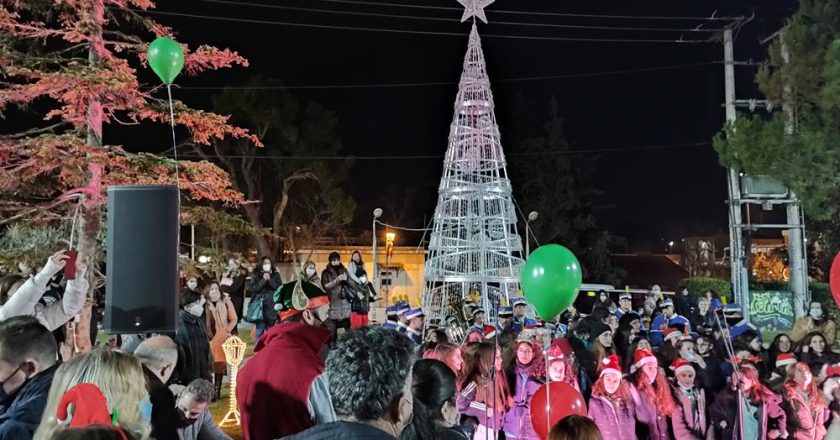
[489,332]
[785,359]
[89,408]
[641,357]
[560,349]
[610,364]
[680,365]
[671,333]
[830,370]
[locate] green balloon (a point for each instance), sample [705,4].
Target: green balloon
[166,58]
[551,279]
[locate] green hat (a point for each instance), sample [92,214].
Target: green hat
[297,296]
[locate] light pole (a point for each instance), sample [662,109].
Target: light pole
[376,214]
[531,217]
[389,251]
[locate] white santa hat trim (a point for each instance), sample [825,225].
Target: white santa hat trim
[645,360]
[609,368]
[682,368]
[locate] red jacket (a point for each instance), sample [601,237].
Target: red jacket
[273,386]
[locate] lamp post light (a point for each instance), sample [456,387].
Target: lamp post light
[376,214]
[532,216]
[389,251]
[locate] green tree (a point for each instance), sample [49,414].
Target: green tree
[298,199]
[554,184]
[806,83]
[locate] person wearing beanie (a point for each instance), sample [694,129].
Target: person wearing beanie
[525,376]
[560,363]
[600,341]
[690,420]
[194,357]
[334,279]
[613,406]
[286,371]
[654,393]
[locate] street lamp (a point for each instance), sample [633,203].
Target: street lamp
[531,217]
[376,214]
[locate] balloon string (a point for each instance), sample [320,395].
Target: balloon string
[174,144]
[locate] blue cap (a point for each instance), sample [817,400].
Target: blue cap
[391,311]
[665,303]
[520,301]
[477,311]
[625,295]
[741,328]
[505,311]
[414,313]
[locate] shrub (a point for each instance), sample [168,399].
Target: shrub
[697,286]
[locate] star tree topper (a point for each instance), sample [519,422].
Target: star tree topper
[475,8]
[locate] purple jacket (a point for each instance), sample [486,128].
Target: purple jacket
[657,424]
[469,406]
[687,424]
[518,420]
[615,423]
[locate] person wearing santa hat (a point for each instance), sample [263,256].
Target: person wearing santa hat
[281,389]
[689,421]
[561,363]
[525,376]
[654,393]
[778,376]
[804,404]
[613,404]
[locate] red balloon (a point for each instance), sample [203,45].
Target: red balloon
[834,279]
[565,401]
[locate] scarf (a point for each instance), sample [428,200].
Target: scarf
[217,320]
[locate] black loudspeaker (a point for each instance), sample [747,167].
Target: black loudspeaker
[141,287]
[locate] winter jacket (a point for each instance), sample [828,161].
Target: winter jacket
[689,421]
[655,334]
[203,429]
[233,283]
[194,360]
[807,324]
[523,387]
[343,431]
[283,374]
[616,421]
[25,300]
[657,424]
[164,414]
[20,414]
[487,416]
[726,408]
[802,422]
[339,306]
[262,288]
[816,361]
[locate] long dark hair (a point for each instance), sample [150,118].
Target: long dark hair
[361,262]
[433,385]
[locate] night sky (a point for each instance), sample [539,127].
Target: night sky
[656,193]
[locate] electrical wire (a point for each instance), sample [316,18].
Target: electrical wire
[415,32]
[449,83]
[456,20]
[440,156]
[400,228]
[555,14]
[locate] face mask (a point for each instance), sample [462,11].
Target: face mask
[816,312]
[267,267]
[196,308]
[3,395]
[310,271]
[603,298]
[192,284]
[183,421]
[146,409]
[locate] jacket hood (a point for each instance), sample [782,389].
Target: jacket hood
[295,333]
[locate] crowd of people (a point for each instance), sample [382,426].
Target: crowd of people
[672,368]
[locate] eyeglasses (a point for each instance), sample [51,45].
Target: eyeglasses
[525,351]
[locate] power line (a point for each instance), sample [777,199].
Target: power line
[414,32]
[449,83]
[440,156]
[555,14]
[456,20]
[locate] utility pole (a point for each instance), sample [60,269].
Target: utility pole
[796,242]
[738,255]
